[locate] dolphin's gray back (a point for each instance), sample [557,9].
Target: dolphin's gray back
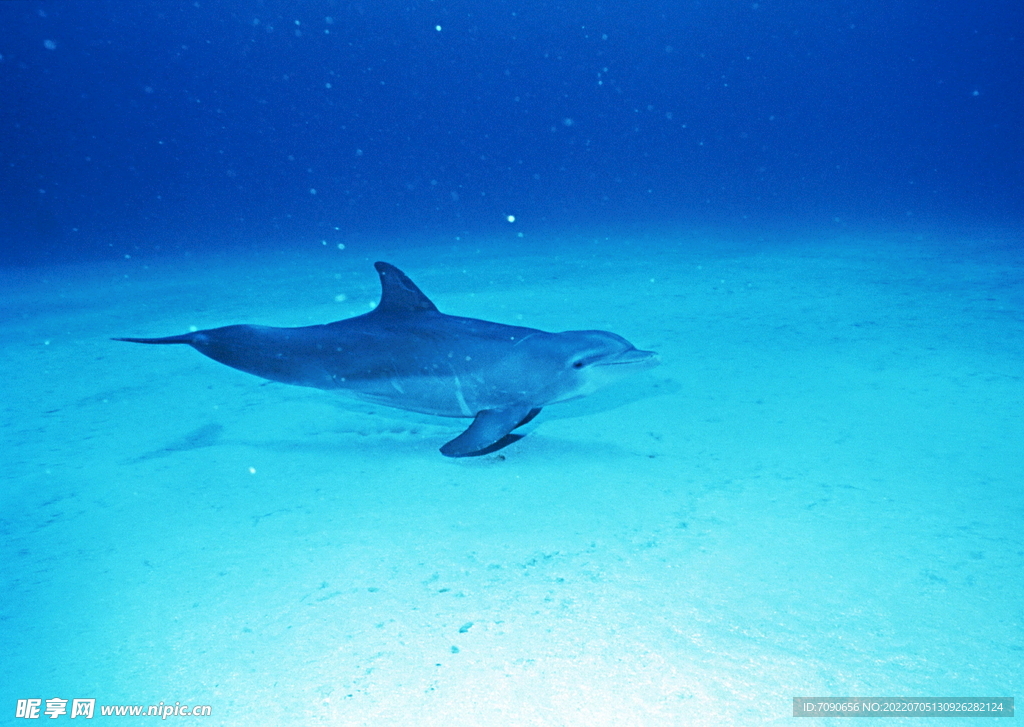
[404,353]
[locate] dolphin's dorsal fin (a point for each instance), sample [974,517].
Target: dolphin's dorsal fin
[398,294]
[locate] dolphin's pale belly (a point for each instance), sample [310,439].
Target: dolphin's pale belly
[440,396]
[443,394]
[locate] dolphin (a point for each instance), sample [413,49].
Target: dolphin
[407,354]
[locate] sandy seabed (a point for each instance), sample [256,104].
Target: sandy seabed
[818,492]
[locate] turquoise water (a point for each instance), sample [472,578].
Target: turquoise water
[817,493]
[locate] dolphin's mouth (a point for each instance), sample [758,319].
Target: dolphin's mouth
[634,357]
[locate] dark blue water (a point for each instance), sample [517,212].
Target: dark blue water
[130,125]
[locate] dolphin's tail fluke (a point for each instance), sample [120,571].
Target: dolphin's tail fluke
[188,338]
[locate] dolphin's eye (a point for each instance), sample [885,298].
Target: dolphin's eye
[583,361]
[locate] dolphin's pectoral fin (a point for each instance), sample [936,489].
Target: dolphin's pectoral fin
[490,431]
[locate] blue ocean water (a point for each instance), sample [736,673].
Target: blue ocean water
[193,124]
[811,210]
